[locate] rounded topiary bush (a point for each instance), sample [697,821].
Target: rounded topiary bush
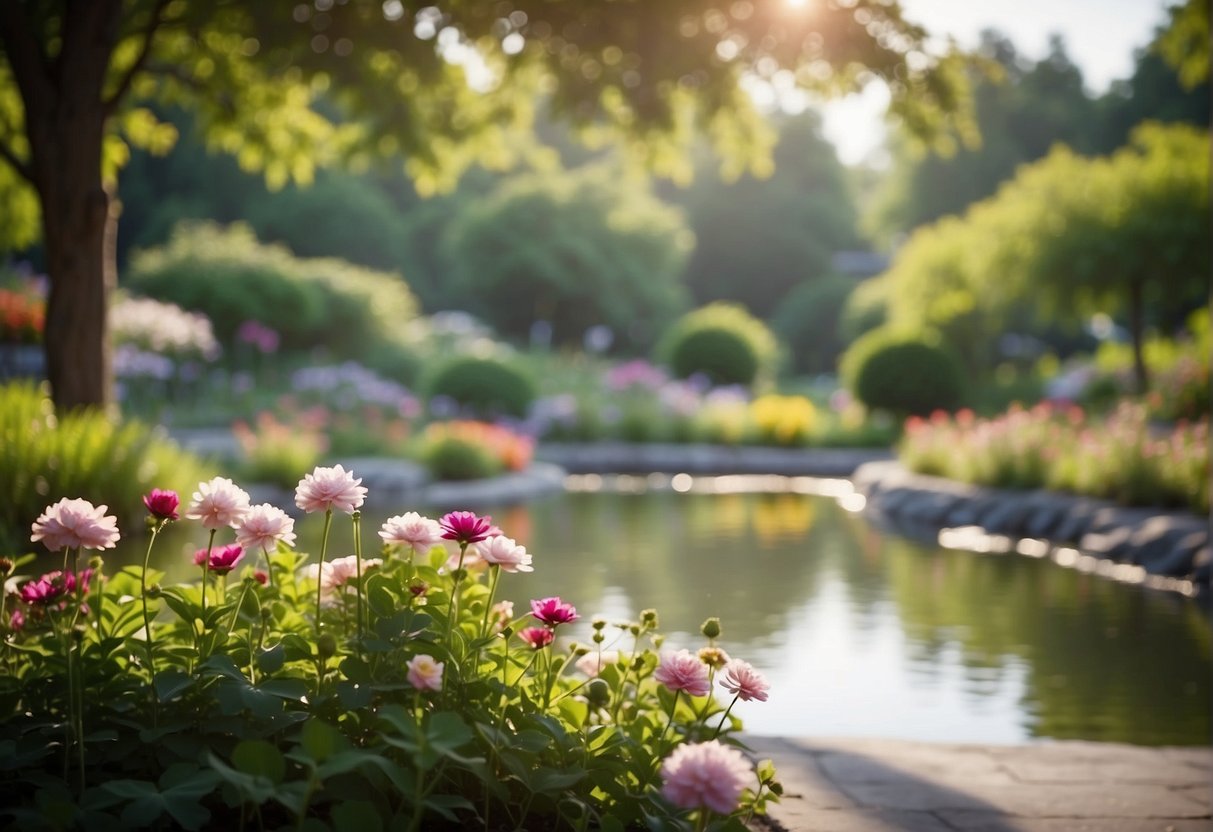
[902,373]
[458,458]
[485,386]
[722,341]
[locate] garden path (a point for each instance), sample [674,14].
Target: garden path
[864,785]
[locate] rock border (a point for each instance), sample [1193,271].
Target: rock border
[1169,544]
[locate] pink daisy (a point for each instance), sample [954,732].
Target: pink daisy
[465,527]
[683,671]
[553,611]
[500,550]
[705,775]
[742,680]
[218,503]
[263,527]
[413,530]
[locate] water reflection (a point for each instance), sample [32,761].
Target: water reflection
[863,633]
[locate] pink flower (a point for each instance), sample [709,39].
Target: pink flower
[162,504]
[705,775]
[16,621]
[464,527]
[52,586]
[337,573]
[591,664]
[263,527]
[75,524]
[553,611]
[504,552]
[218,503]
[261,577]
[425,673]
[500,615]
[223,558]
[413,530]
[330,488]
[683,671]
[537,637]
[742,680]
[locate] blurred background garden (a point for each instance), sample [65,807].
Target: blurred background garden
[458,236]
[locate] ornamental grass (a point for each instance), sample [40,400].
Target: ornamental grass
[277,690]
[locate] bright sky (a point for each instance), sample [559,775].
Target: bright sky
[1100,35]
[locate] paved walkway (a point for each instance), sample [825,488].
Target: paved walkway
[885,785]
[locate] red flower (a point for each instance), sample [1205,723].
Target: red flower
[162,504]
[465,527]
[223,559]
[537,637]
[553,611]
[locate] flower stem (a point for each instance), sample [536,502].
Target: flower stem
[494,575]
[324,545]
[206,573]
[452,614]
[356,517]
[726,716]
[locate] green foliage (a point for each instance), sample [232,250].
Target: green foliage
[759,237]
[449,457]
[723,342]
[902,373]
[573,249]
[808,321]
[302,703]
[1185,42]
[83,454]
[484,386]
[276,451]
[228,275]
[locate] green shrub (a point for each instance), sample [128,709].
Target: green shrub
[807,321]
[458,458]
[276,451]
[85,454]
[723,342]
[485,386]
[902,373]
[231,277]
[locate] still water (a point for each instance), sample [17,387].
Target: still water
[863,633]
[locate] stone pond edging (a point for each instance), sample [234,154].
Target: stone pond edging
[1162,542]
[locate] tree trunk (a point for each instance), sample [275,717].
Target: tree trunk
[78,229]
[1137,329]
[65,116]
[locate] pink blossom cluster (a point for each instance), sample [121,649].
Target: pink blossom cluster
[706,775]
[75,524]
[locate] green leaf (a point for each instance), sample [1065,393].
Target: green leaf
[259,759]
[381,601]
[296,648]
[445,804]
[294,689]
[271,660]
[357,814]
[445,731]
[320,740]
[172,683]
[222,665]
[554,780]
[354,696]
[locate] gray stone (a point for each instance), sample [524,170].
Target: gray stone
[1161,535]
[1111,544]
[1180,559]
[1007,515]
[1043,520]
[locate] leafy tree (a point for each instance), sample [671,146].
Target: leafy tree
[1022,109]
[757,238]
[441,88]
[573,249]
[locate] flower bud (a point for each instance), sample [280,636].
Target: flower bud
[326,645]
[154,591]
[598,693]
[598,638]
[7,566]
[580,650]
[634,629]
[649,619]
[95,563]
[711,628]
[598,622]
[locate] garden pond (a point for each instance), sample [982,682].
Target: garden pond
[861,633]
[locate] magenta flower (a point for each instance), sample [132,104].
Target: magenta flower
[553,611]
[326,489]
[411,529]
[705,775]
[683,671]
[219,502]
[162,504]
[742,680]
[500,550]
[52,586]
[465,527]
[263,527]
[425,673]
[223,558]
[537,637]
[75,524]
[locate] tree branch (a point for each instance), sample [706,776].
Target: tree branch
[24,52]
[16,164]
[148,36]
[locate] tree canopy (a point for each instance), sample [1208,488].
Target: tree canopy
[287,86]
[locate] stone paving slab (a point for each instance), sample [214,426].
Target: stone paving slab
[866,784]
